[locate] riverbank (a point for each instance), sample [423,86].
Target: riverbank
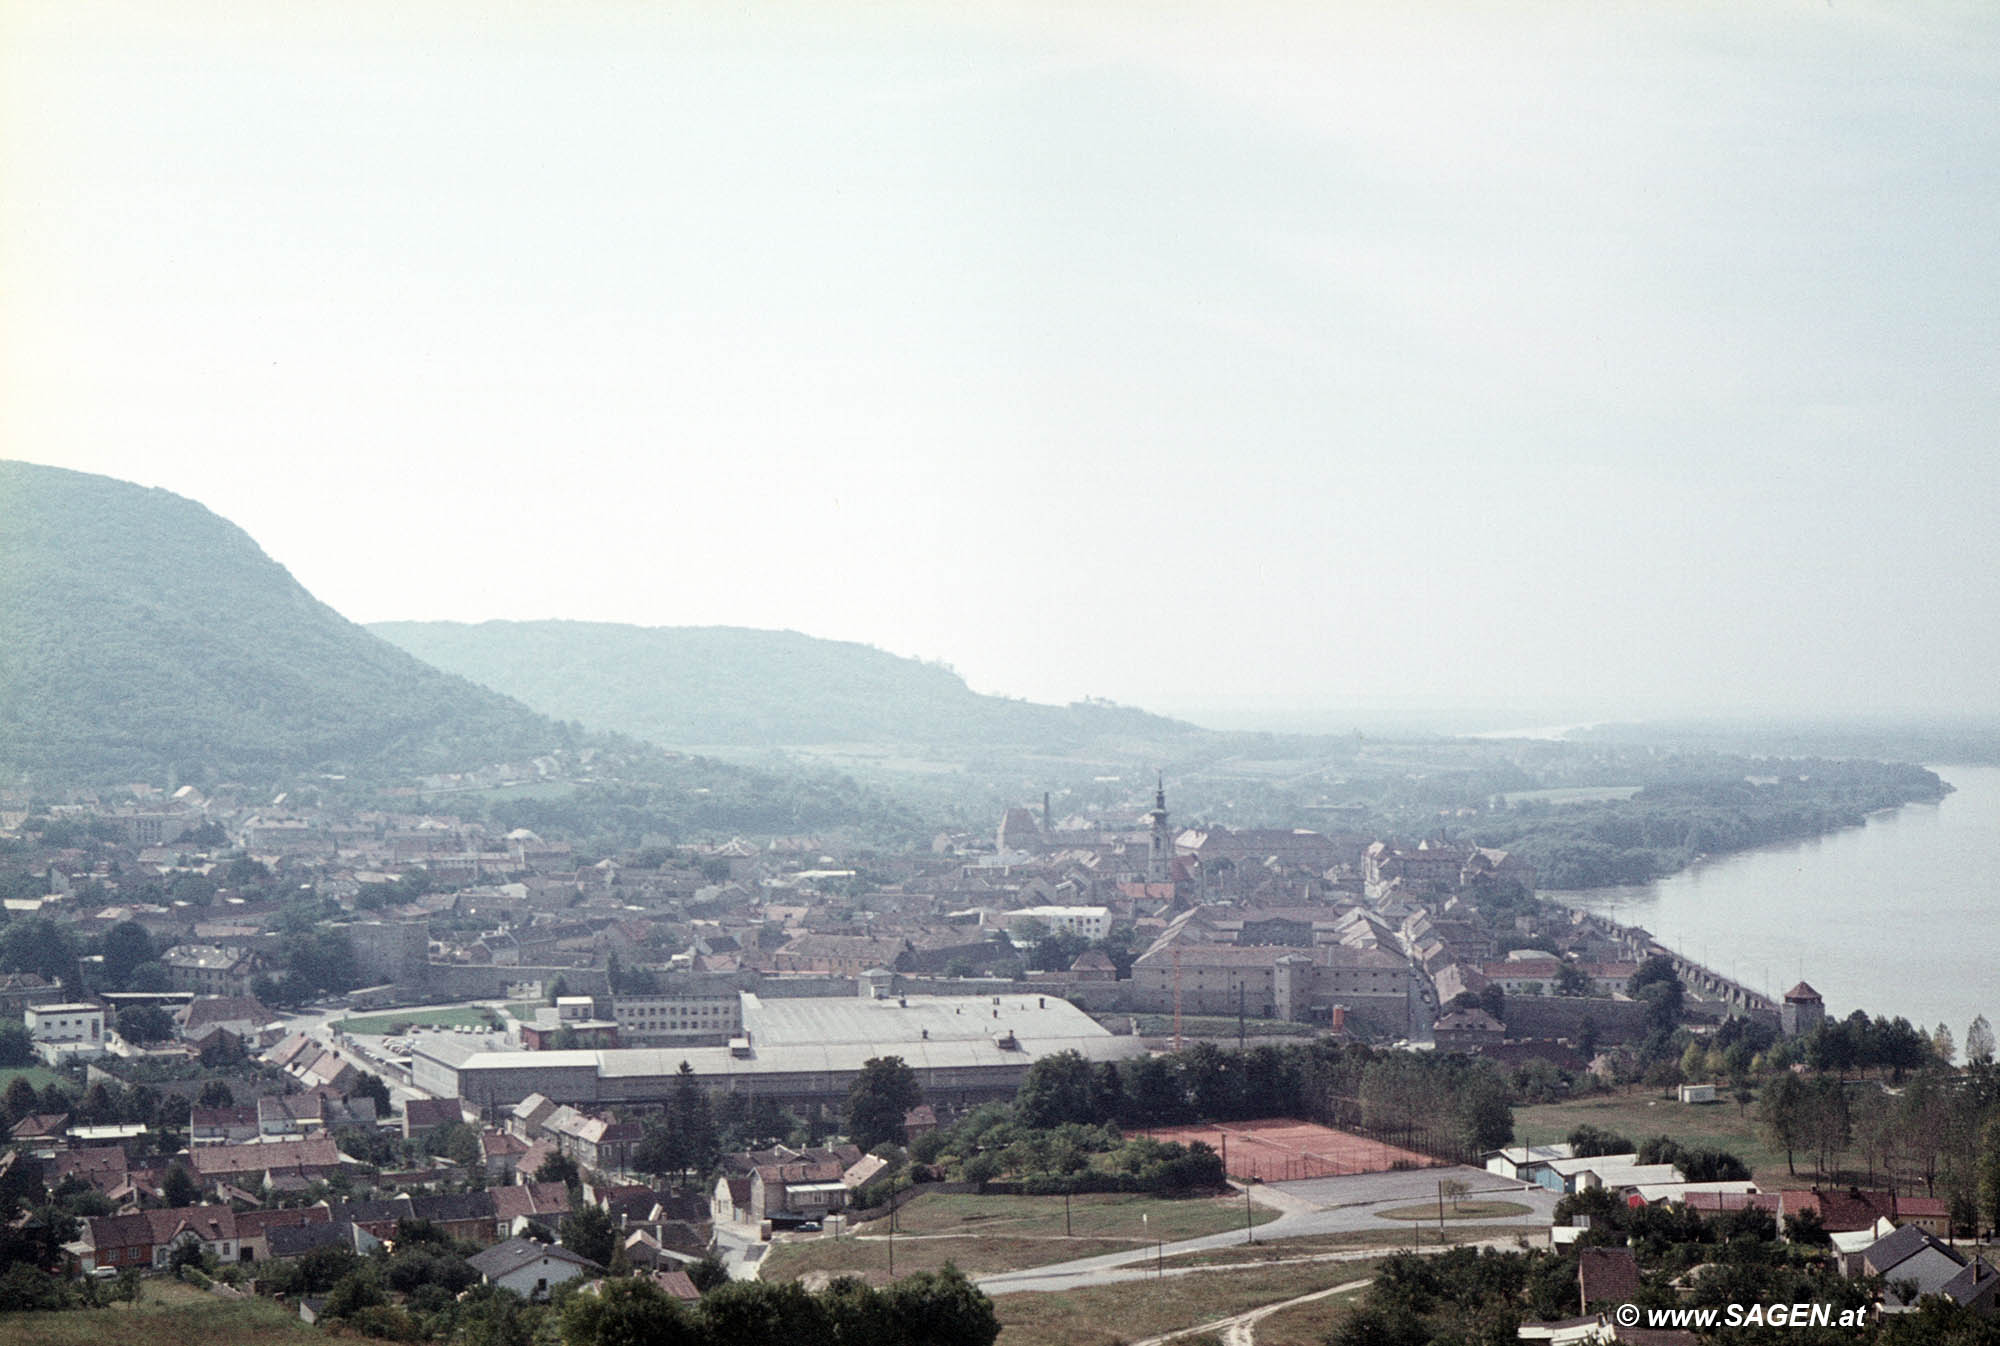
[1887,917]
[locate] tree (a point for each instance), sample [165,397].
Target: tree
[1572,981]
[1943,1044]
[371,1086]
[37,944]
[16,1047]
[884,1091]
[19,1099]
[558,1168]
[951,1309]
[1058,1088]
[216,1094]
[126,946]
[1979,1042]
[692,1119]
[628,1312]
[178,1189]
[1989,1172]
[145,1023]
[589,1232]
[1781,1114]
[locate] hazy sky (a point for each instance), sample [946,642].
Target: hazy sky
[1615,357]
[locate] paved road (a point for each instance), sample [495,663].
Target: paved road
[1315,1206]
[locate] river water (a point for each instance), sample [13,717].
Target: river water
[1894,917]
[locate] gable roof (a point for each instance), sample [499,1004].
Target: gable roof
[1892,1250]
[1607,1275]
[516,1253]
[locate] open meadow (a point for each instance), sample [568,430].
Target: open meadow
[1640,1114]
[1109,1315]
[985,1234]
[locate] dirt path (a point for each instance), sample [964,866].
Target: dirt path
[1240,1329]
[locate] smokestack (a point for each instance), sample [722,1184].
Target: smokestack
[1046,827]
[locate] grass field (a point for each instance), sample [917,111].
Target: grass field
[1308,1324]
[813,1259]
[168,1314]
[1389,1239]
[1464,1210]
[983,1234]
[1642,1114]
[524,1010]
[1113,1215]
[1107,1315]
[444,1018]
[39,1076]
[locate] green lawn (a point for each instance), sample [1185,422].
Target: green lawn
[1641,1114]
[441,1018]
[39,1076]
[1108,1315]
[524,1010]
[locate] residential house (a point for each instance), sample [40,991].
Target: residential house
[211,969]
[310,1159]
[529,1268]
[1911,1257]
[514,1208]
[808,1189]
[421,1116]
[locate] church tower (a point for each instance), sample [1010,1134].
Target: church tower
[1160,858]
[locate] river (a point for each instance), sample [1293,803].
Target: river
[1894,917]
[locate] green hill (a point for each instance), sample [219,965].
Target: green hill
[730,686]
[139,632]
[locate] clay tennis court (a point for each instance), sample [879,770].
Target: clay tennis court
[1283,1150]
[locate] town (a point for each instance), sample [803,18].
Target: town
[335,1056]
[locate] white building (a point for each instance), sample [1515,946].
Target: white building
[63,1032]
[689,1010]
[1090,922]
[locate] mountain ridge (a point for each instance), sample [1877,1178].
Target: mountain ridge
[750,687]
[143,635]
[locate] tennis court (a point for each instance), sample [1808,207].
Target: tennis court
[1284,1150]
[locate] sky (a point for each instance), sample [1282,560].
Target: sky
[1246,361]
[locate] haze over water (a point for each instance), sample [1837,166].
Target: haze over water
[1883,917]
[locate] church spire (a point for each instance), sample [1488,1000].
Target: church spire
[1160,855]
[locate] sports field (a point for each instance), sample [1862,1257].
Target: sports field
[1284,1150]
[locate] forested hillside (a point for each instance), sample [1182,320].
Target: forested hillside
[725,685]
[140,633]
